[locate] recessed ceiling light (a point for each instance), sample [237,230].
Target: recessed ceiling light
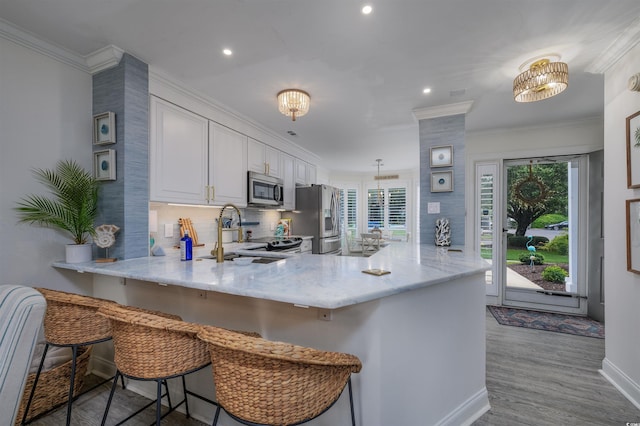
[367,9]
[227,52]
[426,90]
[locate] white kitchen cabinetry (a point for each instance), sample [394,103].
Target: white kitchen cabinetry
[305,173]
[178,154]
[264,159]
[289,178]
[306,245]
[194,160]
[227,166]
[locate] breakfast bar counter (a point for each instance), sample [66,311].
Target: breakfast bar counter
[419,331]
[309,280]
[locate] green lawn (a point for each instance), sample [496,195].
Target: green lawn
[513,256]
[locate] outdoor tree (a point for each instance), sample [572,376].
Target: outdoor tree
[535,191]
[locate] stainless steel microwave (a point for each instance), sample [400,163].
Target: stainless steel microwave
[265,190]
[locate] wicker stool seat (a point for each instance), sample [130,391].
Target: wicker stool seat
[70,321]
[260,382]
[154,347]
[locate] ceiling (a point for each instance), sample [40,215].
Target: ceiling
[365,74]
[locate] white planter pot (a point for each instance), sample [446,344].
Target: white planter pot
[78,253]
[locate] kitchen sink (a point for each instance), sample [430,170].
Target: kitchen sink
[256,259]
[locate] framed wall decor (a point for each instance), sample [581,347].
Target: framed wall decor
[633,235]
[442,181]
[441,156]
[633,150]
[104,164]
[104,128]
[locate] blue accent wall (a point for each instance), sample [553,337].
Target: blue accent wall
[438,132]
[124,90]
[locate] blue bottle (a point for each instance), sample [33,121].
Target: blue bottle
[186,247]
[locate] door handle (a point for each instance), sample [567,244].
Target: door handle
[505,230]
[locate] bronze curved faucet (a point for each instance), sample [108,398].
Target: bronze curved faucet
[219,249]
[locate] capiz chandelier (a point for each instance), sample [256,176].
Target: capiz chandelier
[542,80]
[293,103]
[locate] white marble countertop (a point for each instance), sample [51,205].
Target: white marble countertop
[327,282]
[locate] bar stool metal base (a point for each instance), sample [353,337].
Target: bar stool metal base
[159,395]
[71,397]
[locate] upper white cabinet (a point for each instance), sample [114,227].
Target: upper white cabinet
[305,173]
[264,159]
[289,178]
[178,154]
[194,160]
[227,166]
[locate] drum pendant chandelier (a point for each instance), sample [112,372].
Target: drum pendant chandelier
[542,80]
[293,103]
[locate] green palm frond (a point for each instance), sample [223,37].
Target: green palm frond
[637,136]
[74,206]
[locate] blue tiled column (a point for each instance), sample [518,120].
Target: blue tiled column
[124,89]
[437,132]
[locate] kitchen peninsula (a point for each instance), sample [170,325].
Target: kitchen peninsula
[419,331]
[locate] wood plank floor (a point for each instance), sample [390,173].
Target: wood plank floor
[541,378]
[534,377]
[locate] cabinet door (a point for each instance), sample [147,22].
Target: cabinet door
[311,174]
[289,178]
[178,154]
[301,172]
[272,158]
[256,158]
[227,165]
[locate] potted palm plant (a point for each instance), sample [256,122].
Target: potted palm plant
[73,208]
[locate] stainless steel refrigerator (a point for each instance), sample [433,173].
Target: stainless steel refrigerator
[318,214]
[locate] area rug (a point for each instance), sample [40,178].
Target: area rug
[569,324]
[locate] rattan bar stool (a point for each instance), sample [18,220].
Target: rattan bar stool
[70,321]
[154,347]
[260,382]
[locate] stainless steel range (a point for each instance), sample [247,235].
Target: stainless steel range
[286,244]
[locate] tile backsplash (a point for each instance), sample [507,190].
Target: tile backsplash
[204,220]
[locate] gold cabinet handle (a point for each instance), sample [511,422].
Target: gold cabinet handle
[213,193]
[206,188]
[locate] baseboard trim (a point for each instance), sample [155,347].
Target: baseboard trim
[469,411]
[622,382]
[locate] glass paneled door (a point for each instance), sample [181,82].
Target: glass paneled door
[531,216]
[543,262]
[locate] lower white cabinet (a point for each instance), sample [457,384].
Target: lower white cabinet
[306,245]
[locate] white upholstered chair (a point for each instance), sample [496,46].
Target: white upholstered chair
[21,313]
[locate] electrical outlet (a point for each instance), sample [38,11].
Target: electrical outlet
[168,230]
[325,314]
[202,294]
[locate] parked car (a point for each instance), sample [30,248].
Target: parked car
[557,226]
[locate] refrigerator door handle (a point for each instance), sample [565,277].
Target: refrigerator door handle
[332,240]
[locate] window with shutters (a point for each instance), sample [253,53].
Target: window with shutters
[387,209]
[349,209]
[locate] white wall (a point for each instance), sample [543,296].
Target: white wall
[45,116]
[622,288]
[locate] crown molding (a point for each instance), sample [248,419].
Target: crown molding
[620,47]
[442,110]
[102,59]
[19,36]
